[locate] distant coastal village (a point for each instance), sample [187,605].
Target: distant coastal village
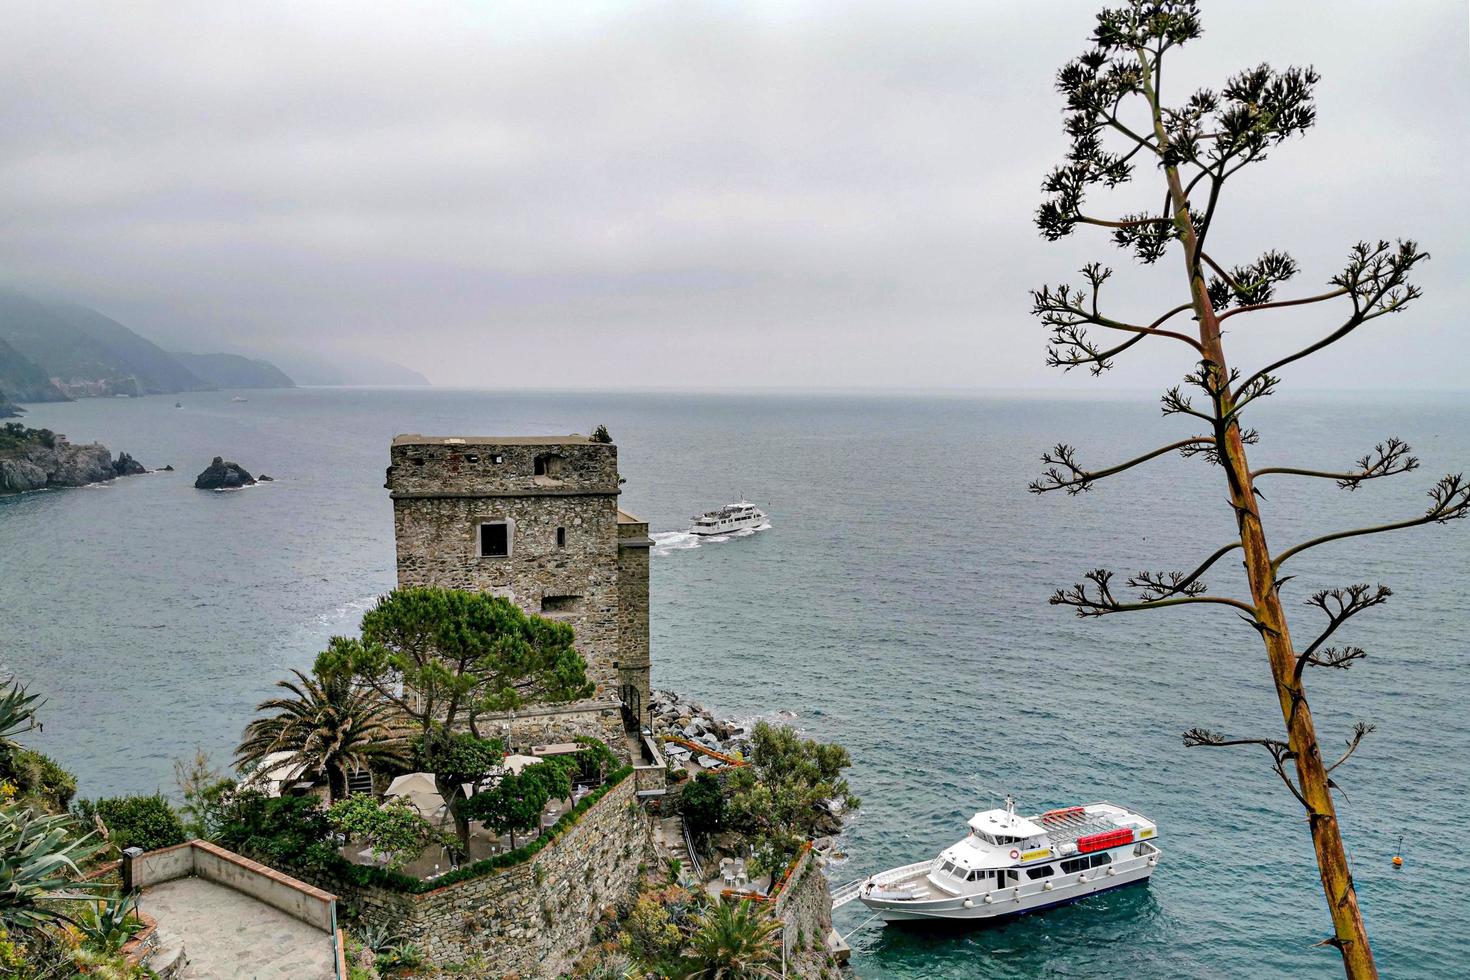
[482,784]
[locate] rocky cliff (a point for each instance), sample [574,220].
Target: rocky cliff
[35,459]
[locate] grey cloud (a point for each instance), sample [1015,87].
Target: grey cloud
[619,189]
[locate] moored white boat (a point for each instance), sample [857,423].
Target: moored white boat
[728,519]
[1009,865]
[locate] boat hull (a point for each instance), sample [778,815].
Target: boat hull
[1032,896]
[705,532]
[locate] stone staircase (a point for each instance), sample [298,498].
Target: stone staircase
[671,841]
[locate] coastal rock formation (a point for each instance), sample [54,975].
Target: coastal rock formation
[675,716]
[222,475]
[34,459]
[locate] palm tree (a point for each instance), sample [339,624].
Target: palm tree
[733,941]
[329,724]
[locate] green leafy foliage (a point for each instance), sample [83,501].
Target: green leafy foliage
[37,779]
[461,654]
[650,935]
[206,793]
[13,435]
[281,831]
[149,822]
[600,434]
[289,832]
[17,706]
[390,827]
[513,805]
[27,776]
[780,800]
[702,805]
[404,957]
[554,775]
[455,759]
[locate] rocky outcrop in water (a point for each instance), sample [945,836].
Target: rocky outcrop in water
[673,715]
[35,459]
[223,475]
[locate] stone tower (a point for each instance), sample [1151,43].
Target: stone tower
[534,519]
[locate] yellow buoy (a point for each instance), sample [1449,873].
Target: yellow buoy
[1398,862]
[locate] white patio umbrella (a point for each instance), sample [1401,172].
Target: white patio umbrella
[515,763]
[420,791]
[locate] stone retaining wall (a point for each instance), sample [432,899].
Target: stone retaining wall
[530,920]
[546,725]
[805,910]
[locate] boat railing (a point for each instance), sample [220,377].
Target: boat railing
[846,893]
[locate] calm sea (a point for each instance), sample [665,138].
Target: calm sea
[898,605]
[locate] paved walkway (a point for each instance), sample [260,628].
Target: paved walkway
[230,936]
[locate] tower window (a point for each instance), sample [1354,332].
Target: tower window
[495,539]
[561,603]
[547,468]
[561,537]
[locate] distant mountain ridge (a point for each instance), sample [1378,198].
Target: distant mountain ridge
[55,350]
[342,368]
[234,370]
[22,381]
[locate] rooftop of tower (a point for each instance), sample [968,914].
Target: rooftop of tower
[415,439]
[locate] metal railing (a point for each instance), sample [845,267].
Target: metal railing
[339,955]
[693,854]
[850,891]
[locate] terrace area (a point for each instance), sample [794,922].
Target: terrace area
[231,936]
[231,917]
[421,792]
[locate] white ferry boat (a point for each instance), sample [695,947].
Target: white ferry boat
[728,519]
[1009,865]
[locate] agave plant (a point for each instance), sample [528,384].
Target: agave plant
[17,711]
[377,938]
[105,924]
[39,854]
[330,724]
[733,941]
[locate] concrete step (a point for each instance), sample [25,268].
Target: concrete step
[171,962]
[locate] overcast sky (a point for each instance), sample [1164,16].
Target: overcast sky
[684,193]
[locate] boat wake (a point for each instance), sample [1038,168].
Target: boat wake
[668,542]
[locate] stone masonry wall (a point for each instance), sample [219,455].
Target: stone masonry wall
[805,911]
[443,491]
[533,919]
[438,544]
[633,653]
[547,725]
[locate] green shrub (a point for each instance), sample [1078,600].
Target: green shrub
[702,805]
[288,830]
[37,779]
[149,822]
[295,832]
